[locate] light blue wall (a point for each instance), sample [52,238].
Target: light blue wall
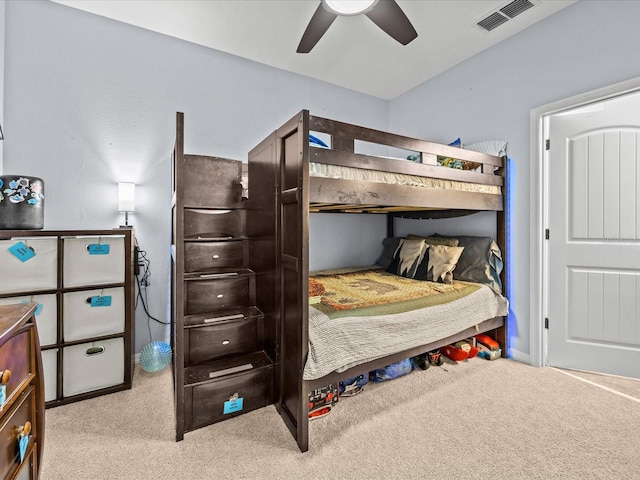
[90,101]
[588,45]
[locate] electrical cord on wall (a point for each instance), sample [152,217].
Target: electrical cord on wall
[142,280]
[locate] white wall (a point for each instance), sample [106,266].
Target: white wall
[588,45]
[90,101]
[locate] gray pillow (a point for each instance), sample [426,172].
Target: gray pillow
[389,247]
[436,240]
[480,262]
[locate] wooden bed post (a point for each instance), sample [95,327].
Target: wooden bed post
[390,224]
[292,147]
[177,285]
[501,217]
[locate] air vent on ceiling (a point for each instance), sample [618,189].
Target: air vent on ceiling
[502,15]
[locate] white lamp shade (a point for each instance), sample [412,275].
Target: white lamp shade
[126,197]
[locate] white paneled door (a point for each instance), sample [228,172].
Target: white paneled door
[594,238]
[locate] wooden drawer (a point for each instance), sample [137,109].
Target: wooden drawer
[93,313]
[93,260]
[16,356]
[10,429]
[206,295]
[40,272]
[204,344]
[205,402]
[212,223]
[202,257]
[27,470]
[200,173]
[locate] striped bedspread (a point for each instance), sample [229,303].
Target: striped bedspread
[340,338]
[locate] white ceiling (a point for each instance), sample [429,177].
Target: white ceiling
[354,53]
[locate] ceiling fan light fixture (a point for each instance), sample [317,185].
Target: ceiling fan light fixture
[349,7]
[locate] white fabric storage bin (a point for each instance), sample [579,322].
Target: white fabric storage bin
[46,315]
[50,374]
[40,272]
[91,366]
[93,313]
[92,260]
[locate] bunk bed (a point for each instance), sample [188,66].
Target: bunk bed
[288,179]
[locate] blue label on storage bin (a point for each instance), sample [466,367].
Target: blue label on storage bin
[98,249]
[234,405]
[22,252]
[101,301]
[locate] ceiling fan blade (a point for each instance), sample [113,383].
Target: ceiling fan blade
[388,15]
[318,25]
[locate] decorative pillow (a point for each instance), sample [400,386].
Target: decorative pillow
[442,262]
[407,257]
[389,247]
[432,240]
[480,262]
[418,260]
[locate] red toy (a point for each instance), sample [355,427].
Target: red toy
[488,347]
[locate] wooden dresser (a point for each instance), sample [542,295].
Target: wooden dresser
[22,421]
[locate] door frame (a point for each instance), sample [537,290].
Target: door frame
[539,201]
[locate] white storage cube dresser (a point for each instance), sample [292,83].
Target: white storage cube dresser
[28,264]
[82,281]
[92,366]
[93,313]
[50,374]
[46,315]
[92,260]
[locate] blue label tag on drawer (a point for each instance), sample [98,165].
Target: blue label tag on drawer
[3,395]
[22,252]
[98,301]
[23,441]
[98,249]
[234,405]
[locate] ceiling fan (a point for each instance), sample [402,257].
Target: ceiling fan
[386,14]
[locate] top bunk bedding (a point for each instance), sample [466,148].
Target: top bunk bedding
[358,169]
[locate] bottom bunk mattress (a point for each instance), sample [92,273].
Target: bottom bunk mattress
[363,314]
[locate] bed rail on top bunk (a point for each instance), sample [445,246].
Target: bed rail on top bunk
[374,197]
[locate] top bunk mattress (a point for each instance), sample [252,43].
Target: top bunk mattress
[392,178]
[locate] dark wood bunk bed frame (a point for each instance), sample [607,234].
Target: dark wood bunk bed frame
[281,196]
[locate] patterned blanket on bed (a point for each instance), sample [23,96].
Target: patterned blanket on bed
[377,292]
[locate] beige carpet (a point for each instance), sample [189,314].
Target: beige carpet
[474,420]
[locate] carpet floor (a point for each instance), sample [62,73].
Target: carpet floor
[471,420]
